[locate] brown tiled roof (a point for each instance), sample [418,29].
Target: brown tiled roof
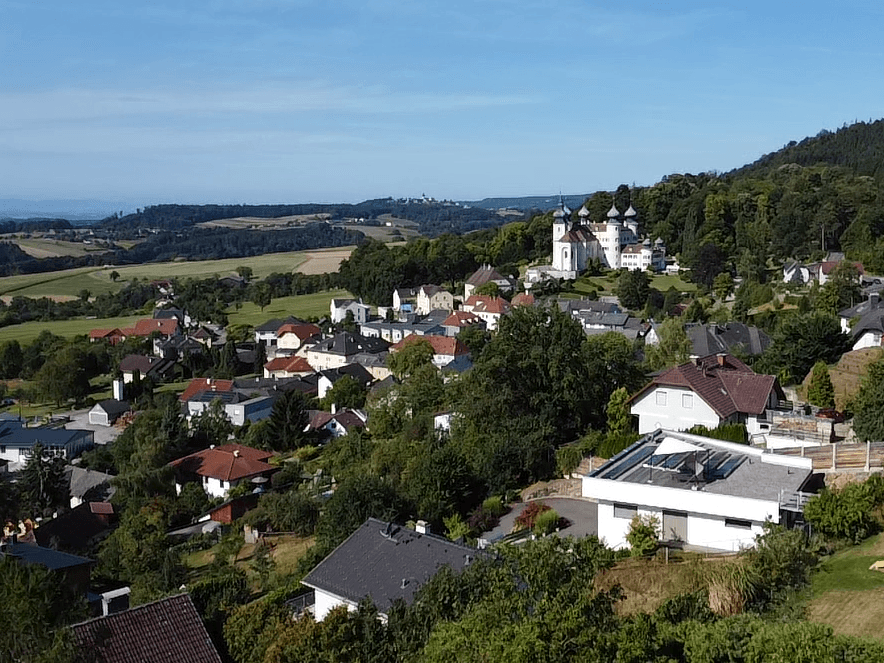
[103,508]
[442,345]
[199,385]
[319,418]
[349,420]
[104,333]
[461,319]
[228,462]
[485,274]
[723,381]
[578,234]
[146,327]
[167,630]
[288,364]
[302,331]
[496,305]
[141,363]
[523,299]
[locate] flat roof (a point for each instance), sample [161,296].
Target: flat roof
[691,462]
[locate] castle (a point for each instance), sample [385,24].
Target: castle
[614,243]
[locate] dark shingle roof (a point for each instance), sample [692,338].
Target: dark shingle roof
[386,562]
[729,337]
[45,557]
[166,630]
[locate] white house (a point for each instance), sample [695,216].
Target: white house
[340,307]
[291,337]
[107,412]
[707,391]
[432,298]
[221,468]
[703,492]
[485,274]
[488,309]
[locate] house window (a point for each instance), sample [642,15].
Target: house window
[687,401]
[661,398]
[737,524]
[628,511]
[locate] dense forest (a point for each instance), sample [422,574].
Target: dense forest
[431,218]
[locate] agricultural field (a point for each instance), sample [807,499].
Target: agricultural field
[846,594]
[51,248]
[28,331]
[69,283]
[301,306]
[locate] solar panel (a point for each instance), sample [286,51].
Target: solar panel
[675,460]
[725,470]
[628,463]
[658,460]
[716,459]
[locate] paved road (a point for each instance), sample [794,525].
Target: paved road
[582,514]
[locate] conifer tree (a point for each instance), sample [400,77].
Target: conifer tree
[821,392]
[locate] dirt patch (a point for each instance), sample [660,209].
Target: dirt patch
[554,488]
[324,262]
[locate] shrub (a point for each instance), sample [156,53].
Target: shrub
[481,520]
[846,513]
[643,535]
[567,459]
[546,522]
[494,506]
[727,432]
[528,517]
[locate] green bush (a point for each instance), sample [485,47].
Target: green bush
[643,535]
[528,517]
[847,513]
[494,506]
[567,459]
[546,522]
[727,432]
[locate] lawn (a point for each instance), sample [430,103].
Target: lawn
[301,306]
[663,282]
[26,332]
[846,594]
[69,283]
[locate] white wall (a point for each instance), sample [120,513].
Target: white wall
[653,413]
[325,603]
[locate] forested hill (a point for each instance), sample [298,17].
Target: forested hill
[859,147]
[433,218]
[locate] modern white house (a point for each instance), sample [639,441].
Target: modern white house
[340,307]
[703,492]
[707,391]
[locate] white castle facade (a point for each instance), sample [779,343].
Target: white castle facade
[614,243]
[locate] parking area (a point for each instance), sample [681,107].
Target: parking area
[80,421]
[582,515]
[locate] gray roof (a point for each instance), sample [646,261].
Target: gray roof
[14,436]
[111,406]
[728,469]
[734,337]
[355,371]
[46,557]
[873,303]
[275,323]
[82,480]
[348,344]
[386,562]
[574,305]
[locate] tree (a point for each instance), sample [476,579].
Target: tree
[289,511]
[288,421]
[821,392]
[673,346]
[841,290]
[347,392]
[114,276]
[261,295]
[868,405]
[801,340]
[723,285]
[11,360]
[44,484]
[644,532]
[63,376]
[619,420]
[633,288]
[245,272]
[354,501]
[211,426]
[414,354]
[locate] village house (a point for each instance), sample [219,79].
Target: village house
[287,367]
[266,333]
[703,492]
[460,320]
[218,469]
[488,309]
[707,391]
[433,297]
[155,368]
[445,348]
[106,412]
[384,562]
[291,337]
[341,348]
[17,442]
[339,309]
[484,275]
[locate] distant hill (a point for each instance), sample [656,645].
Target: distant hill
[859,147]
[527,203]
[83,212]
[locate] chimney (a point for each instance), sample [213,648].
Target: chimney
[422,527]
[236,453]
[722,357]
[874,298]
[118,389]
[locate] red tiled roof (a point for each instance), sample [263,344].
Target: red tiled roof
[302,331]
[461,319]
[523,299]
[497,305]
[199,385]
[728,385]
[166,630]
[103,508]
[228,462]
[289,365]
[104,333]
[827,266]
[442,345]
[146,327]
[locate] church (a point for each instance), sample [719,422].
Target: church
[614,243]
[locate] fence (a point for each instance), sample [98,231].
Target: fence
[842,456]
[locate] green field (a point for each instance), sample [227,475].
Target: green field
[69,283]
[300,306]
[846,594]
[28,331]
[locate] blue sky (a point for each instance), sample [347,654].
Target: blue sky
[298,101]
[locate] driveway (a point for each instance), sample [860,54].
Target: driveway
[582,515]
[80,421]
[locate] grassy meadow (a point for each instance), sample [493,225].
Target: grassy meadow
[69,283]
[28,331]
[301,306]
